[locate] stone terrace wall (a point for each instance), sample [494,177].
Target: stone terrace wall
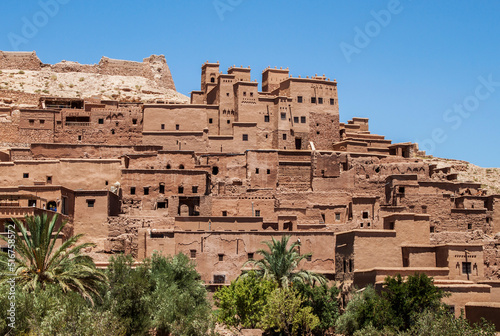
[20,60]
[9,98]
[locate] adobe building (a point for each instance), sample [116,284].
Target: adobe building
[236,166]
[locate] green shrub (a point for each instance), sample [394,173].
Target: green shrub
[241,304]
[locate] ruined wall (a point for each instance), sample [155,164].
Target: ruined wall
[19,60]
[16,98]
[154,67]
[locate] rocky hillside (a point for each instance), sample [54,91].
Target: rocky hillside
[146,81]
[468,172]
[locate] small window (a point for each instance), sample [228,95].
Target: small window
[401,190]
[368,224]
[224,213]
[169,166]
[283,116]
[323,218]
[245,137]
[146,190]
[79,138]
[244,93]
[309,257]
[221,257]
[317,132]
[332,101]
[257,213]
[365,214]
[212,80]
[219,279]
[299,99]
[296,120]
[433,229]
[192,254]
[250,255]
[32,122]
[90,203]
[49,179]
[132,190]
[284,136]
[227,94]
[181,166]
[337,217]
[112,131]
[177,127]
[162,126]
[361,225]
[100,121]
[194,189]
[469,226]
[391,226]
[313,100]
[215,170]
[251,94]
[266,118]
[134,121]
[161,205]
[106,182]
[42,121]
[116,123]
[228,121]
[26,175]
[161,188]
[351,265]
[32,203]
[488,220]
[268,171]
[466,268]
[303,120]
[180,190]
[210,121]
[320,100]
[256,170]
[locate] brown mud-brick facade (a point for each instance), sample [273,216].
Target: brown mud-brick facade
[237,166]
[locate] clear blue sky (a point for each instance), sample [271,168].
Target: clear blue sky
[426,73]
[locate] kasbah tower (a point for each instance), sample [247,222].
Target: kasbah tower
[216,174]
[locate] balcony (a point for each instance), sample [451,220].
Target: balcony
[77,123]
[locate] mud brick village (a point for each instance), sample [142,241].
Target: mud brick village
[138,167]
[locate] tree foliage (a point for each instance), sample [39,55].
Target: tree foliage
[442,323]
[411,307]
[284,313]
[323,301]
[50,311]
[241,304]
[126,296]
[363,309]
[178,299]
[39,262]
[280,263]
[410,297]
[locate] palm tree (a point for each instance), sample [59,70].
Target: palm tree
[39,263]
[280,262]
